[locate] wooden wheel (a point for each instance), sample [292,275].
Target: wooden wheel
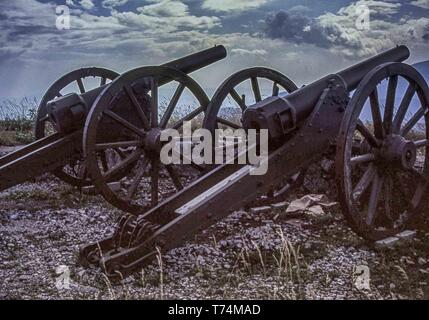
[232,97]
[231,100]
[382,152]
[79,81]
[132,113]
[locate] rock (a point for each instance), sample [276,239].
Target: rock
[91,190]
[407,235]
[295,222]
[260,210]
[280,205]
[424,271]
[422,261]
[387,243]
[419,293]
[327,165]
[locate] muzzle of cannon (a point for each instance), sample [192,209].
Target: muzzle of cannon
[371,118]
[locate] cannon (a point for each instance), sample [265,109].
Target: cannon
[65,122]
[365,116]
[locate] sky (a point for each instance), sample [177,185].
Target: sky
[302,39]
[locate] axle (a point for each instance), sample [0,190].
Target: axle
[281,115]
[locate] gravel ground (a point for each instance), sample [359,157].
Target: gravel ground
[271,255]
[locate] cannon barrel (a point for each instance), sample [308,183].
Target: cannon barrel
[198,60]
[282,114]
[68,113]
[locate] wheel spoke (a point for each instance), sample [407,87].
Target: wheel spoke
[120,144]
[124,122]
[103,160]
[390,103]
[367,134]
[137,106]
[172,105]
[421,143]
[240,101]
[419,193]
[387,196]
[175,177]
[140,174]
[154,102]
[80,85]
[415,173]
[103,81]
[402,110]
[376,115]
[154,181]
[364,182]
[122,165]
[377,185]
[402,187]
[276,89]
[228,123]
[189,117]
[363,158]
[82,172]
[255,88]
[44,119]
[413,121]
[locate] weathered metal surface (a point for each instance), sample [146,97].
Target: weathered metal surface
[43,156]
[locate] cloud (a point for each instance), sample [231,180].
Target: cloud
[163,24]
[421,3]
[110,4]
[232,5]
[339,31]
[87,4]
[245,52]
[165,8]
[294,27]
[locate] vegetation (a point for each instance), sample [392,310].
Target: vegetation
[17,121]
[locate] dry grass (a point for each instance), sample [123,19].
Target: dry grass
[17,121]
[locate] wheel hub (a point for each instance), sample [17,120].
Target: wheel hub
[399,151]
[153,140]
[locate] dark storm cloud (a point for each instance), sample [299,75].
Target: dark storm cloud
[342,31]
[294,26]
